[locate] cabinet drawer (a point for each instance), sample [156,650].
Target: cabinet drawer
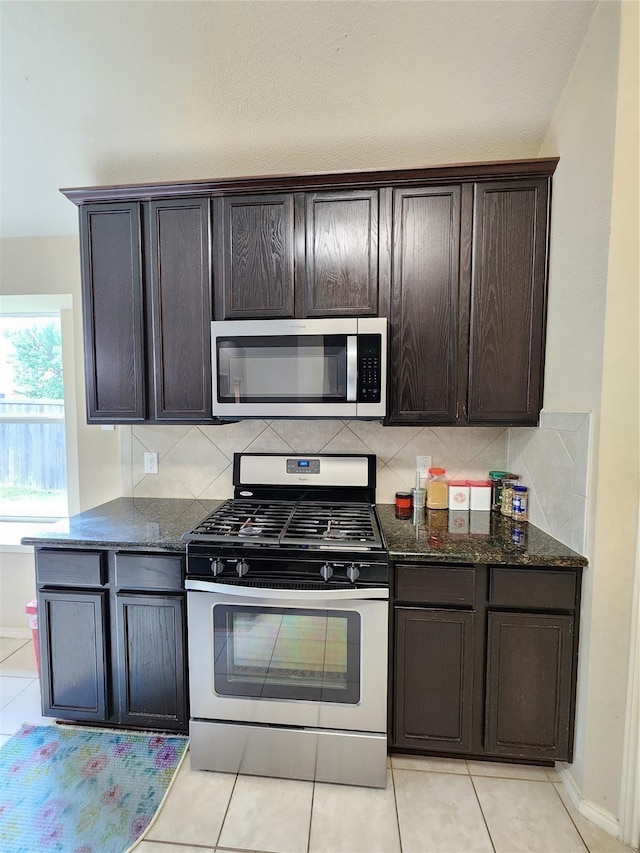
[149,571]
[70,568]
[533,589]
[435,584]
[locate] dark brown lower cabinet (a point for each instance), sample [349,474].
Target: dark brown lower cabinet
[485,660]
[73,654]
[151,670]
[434,678]
[528,691]
[114,652]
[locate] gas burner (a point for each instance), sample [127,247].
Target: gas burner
[334,534]
[250,530]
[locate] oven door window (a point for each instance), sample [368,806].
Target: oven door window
[283,369]
[287,653]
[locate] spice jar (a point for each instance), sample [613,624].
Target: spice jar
[497,480]
[404,504]
[519,503]
[506,505]
[437,489]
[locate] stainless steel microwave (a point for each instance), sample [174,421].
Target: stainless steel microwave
[333,368]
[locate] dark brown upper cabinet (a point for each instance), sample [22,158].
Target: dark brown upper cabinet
[113,305]
[297,254]
[468,302]
[147,311]
[508,301]
[341,263]
[254,257]
[179,300]
[454,256]
[424,304]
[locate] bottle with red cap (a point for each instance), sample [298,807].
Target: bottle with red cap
[437,489]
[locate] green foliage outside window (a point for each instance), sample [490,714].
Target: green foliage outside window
[37,361]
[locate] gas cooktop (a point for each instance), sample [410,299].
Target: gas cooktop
[290,523]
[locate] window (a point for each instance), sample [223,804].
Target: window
[33,465]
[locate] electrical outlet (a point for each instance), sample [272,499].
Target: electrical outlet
[150,463]
[423,463]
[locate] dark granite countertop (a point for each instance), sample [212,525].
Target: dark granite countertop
[473,537]
[149,524]
[157,524]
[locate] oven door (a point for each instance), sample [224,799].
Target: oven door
[289,657]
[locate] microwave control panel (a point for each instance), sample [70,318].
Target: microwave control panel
[369,356]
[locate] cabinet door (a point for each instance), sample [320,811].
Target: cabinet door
[113,312]
[434,679]
[152,666]
[528,690]
[424,305]
[508,297]
[341,265]
[180,310]
[254,256]
[73,651]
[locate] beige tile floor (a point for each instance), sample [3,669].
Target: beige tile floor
[428,806]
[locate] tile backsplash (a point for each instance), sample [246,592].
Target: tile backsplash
[196,461]
[553,461]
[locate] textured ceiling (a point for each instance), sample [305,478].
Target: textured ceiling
[118,92]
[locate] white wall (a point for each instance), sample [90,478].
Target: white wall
[592,365]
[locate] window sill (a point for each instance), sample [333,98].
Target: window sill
[11,532]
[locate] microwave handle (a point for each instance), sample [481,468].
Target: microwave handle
[352,368]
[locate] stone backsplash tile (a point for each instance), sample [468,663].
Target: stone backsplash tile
[553,462]
[197,461]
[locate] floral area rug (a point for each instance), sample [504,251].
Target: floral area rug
[74,790]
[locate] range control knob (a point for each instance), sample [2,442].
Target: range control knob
[353,573]
[242,567]
[326,571]
[217,567]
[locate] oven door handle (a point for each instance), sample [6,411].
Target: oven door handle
[309,595]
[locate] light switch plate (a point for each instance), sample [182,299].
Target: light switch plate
[150,463]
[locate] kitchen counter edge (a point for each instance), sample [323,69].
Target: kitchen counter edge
[436,539]
[134,524]
[157,524]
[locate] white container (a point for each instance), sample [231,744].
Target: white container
[458,495]
[480,498]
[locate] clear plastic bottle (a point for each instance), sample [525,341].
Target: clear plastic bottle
[507,495]
[437,489]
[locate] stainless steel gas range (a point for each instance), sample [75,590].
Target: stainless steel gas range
[288,597]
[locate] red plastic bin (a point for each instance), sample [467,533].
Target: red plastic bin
[31,610]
